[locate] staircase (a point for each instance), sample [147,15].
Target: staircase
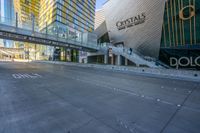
[133,56]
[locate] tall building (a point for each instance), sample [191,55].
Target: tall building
[6,9]
[7,16]
[27,9]
[72,19]
[75,14]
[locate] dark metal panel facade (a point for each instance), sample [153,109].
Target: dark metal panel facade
[181,26]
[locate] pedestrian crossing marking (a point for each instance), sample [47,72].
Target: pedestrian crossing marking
[26,76]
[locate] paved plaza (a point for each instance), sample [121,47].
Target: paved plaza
[49,98]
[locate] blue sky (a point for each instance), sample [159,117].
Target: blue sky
[99,3]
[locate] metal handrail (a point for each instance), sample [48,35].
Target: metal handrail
[126,50]
[134,55]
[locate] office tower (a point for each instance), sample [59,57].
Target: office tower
[27,9]
[68,14]
[68,19]
[7,17]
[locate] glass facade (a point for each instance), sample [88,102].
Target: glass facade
[67,19]
[76,14]
[6,13]
[27,9]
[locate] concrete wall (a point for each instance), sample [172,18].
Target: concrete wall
[99,18]
[101,30]
[144,37]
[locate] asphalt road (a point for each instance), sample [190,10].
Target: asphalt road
[46,98]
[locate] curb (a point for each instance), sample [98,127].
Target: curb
[186,75]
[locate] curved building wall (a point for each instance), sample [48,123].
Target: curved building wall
[137,23]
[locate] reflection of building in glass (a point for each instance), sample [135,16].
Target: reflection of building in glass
[6,9]
[67,19]
[7,16]
[70,19]
[11,53]
[26,9]
[78,15]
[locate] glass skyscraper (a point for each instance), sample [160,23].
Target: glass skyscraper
[69,19]
[27,9]
[76,14]
[7,16]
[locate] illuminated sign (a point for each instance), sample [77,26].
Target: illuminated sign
[136,20]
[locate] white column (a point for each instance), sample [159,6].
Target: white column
[105,59]
[126,62]
[112,59]
[118,60]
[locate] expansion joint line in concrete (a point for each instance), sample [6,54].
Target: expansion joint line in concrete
[178,109]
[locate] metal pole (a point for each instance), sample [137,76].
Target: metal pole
[33,22]
[81,38]
[28,53]
[16,20]
[57,32]
[46,29]
[35,52]
[75,36]
[67,34]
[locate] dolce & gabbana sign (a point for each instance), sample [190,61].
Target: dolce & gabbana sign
[136,20]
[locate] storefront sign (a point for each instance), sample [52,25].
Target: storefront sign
[184,62]
[136,20]
[191,13]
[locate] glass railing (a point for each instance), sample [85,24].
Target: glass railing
[63,34]
[126,51]
[7,21]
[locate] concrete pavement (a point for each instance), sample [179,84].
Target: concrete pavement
[48,98]
[186,75]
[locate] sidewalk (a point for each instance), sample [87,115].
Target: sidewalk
[188,75]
